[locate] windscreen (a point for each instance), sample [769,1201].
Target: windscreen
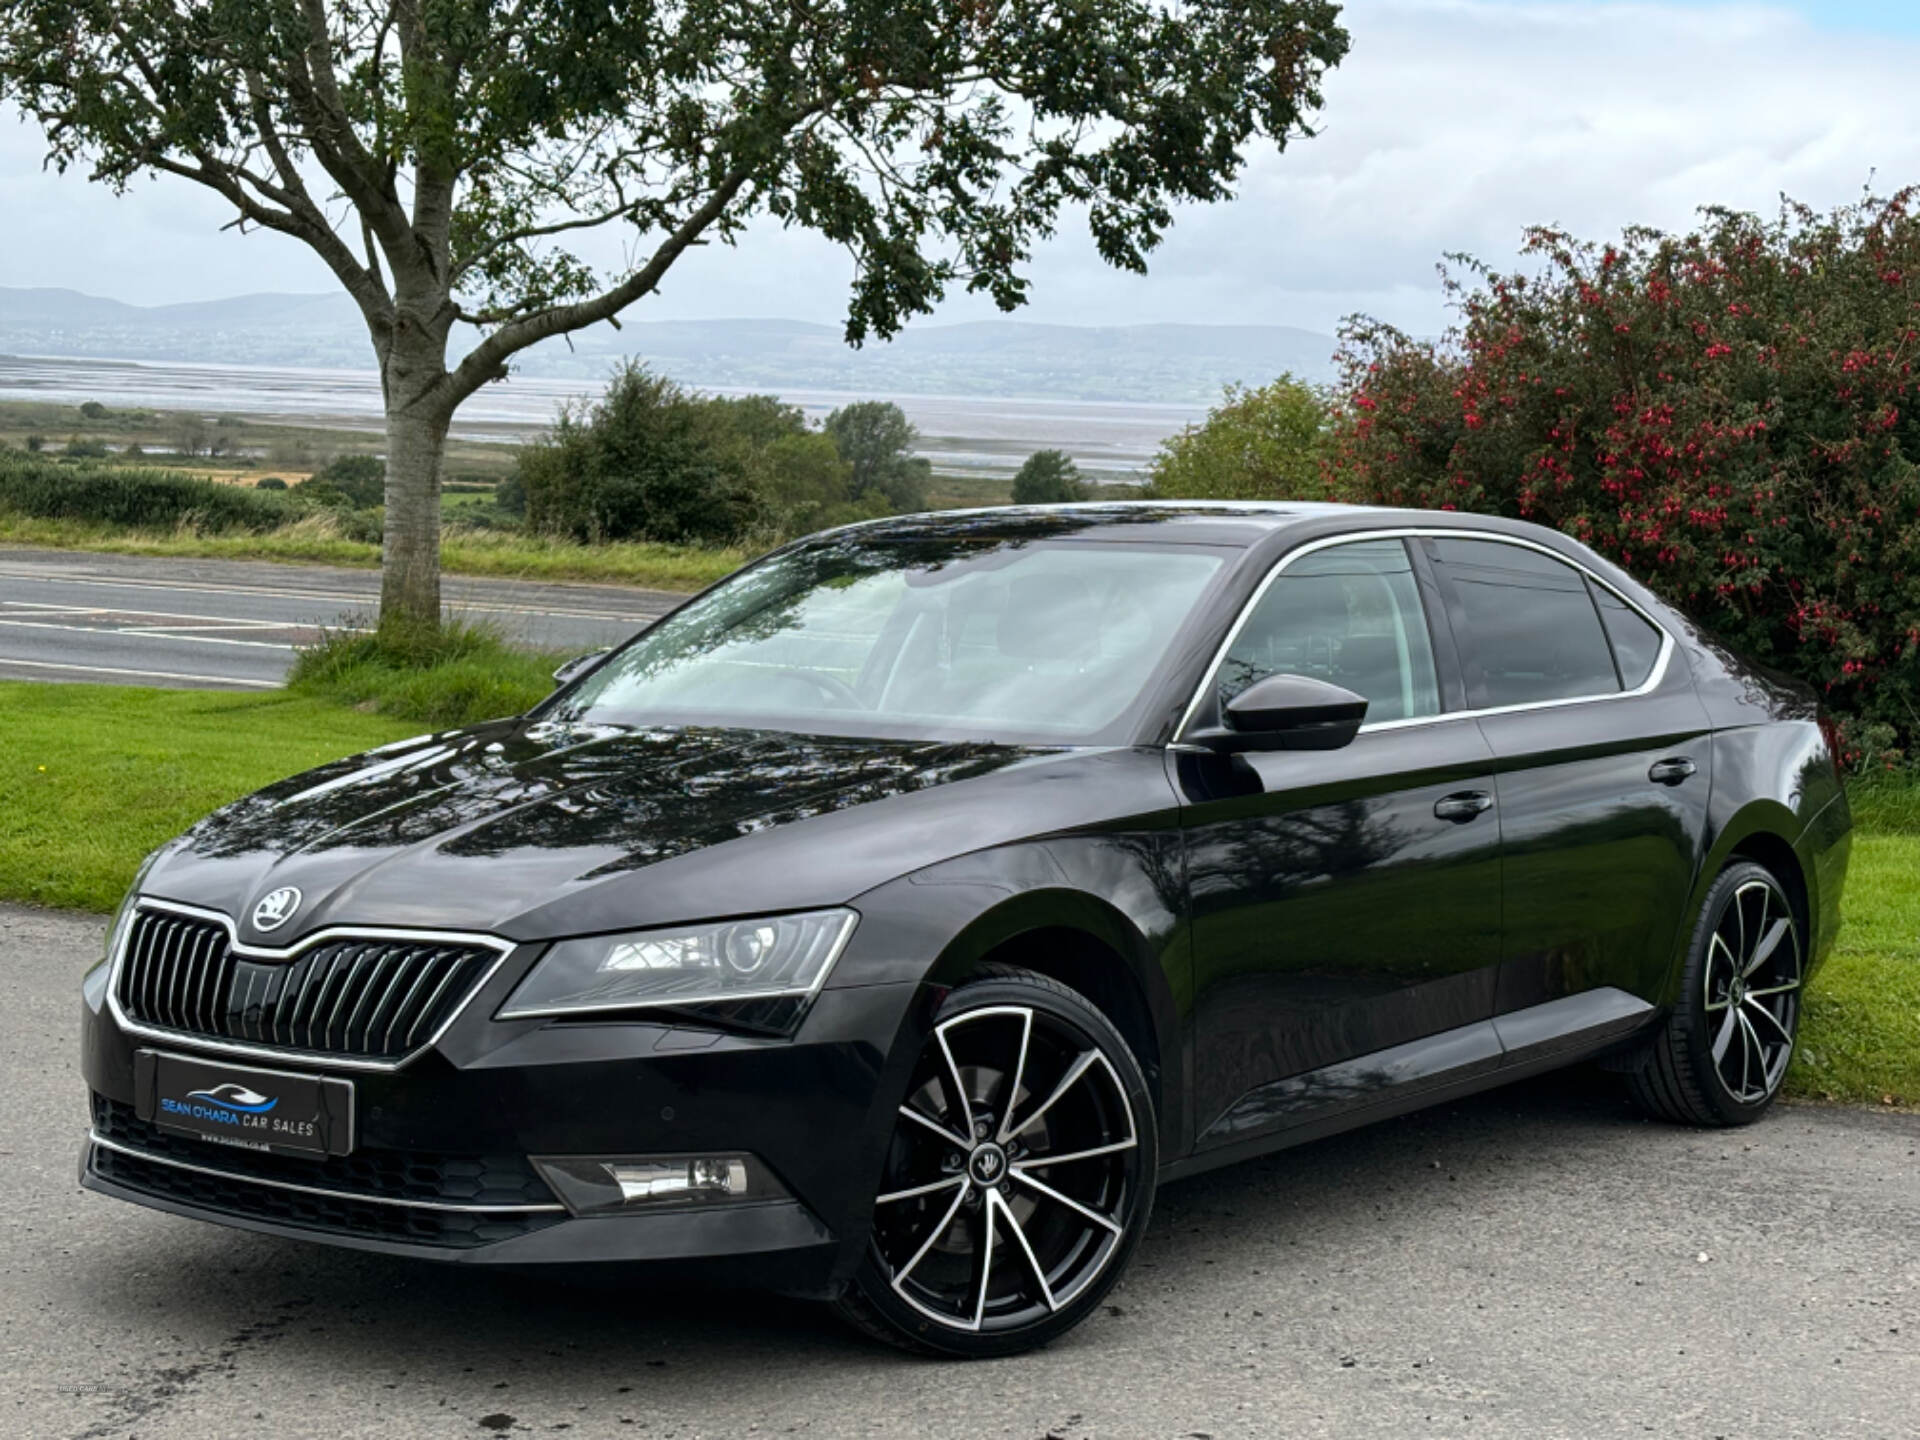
[964,639]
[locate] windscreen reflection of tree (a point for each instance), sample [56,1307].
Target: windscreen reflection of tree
[765,601]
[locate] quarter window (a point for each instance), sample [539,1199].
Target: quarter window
[1349,614]
[1636,641]
[1532,628]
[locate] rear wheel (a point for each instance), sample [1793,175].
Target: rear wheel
[1723,1052]
[1018,1179]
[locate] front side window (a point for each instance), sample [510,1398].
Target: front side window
[1531,627]
[962,639]
[1351,615]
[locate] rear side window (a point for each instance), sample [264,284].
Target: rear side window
[1349,614]
[1636,641]
[1532,629]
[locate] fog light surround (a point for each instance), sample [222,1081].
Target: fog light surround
[646,1184]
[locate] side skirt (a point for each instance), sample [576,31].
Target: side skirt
[1422,1072]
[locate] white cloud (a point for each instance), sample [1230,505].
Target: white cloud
[1453,124]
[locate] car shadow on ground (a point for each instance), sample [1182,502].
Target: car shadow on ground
[393,1321]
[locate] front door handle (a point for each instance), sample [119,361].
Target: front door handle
[1463,806]
[1673,771]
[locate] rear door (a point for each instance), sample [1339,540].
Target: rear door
[1601,754]
[1347,901]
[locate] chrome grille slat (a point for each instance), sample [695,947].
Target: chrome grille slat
[414,1036]
[381,999]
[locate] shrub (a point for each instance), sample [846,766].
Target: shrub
[647,461]
[1730,414]
[1264,444]
[36,443]
[1048,477]
[269,482]
[136,498]
[93,410]
[356,481]
[80,447]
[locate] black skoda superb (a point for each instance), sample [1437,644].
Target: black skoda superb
[885,923]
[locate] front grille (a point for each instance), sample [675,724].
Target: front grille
[415,1175]
[360,1189]
[380,999]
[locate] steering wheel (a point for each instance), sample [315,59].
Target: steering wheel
[832,686]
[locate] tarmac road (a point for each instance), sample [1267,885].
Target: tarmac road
[1535,1263]
[233,624]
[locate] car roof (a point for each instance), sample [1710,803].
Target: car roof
[1192,522]
[1233,523]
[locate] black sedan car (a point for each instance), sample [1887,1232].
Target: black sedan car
[887,922]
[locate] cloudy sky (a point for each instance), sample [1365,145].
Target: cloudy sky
[1453,124]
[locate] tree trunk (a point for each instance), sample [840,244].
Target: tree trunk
[417,420]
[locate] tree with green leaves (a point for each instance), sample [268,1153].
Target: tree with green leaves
[444,158]
[1048,477]
[876,440]
[1256,444]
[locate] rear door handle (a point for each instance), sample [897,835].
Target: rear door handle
[1463,806]
[1672,771]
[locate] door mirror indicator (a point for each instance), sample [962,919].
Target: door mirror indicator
[1286,712]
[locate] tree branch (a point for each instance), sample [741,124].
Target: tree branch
[488,359]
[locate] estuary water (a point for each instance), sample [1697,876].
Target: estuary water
[984,433]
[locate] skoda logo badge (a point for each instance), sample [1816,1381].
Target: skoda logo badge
[276,909]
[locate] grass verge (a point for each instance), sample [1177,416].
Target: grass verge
[93,777]
[504,554]
[455,675]
[1860,1032]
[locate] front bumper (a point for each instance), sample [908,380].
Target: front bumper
[440,1168]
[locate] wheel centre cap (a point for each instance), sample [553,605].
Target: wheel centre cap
[988,1164]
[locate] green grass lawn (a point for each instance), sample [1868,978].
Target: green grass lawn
[93,777]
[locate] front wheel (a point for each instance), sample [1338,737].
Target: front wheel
[1018,1179]
[1723,1052]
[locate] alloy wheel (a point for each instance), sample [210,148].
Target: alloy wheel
[1011,1175]
[1751,982]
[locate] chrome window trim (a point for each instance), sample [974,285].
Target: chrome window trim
[1651,683]
[351,1196]
[318,1058]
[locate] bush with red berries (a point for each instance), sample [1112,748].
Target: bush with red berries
[1732,415]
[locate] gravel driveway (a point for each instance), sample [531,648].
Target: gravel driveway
[1538,1262]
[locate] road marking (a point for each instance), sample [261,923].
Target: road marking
[144,674]
[453,604]
[149,634]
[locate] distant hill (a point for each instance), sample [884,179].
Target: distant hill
[1175,363]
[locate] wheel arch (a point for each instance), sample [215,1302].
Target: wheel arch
[1088,945]
[1762,832]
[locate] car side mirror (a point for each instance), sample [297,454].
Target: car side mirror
[578,666]
[1287,712]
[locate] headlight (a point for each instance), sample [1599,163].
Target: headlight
[778,957]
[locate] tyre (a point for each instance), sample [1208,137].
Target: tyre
[1723,1052]
[1018,1179]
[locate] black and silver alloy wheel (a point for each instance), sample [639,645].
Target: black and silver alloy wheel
[1018,1177]
[1725,1049]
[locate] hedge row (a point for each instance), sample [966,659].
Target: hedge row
[148,499]
[1733,415]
